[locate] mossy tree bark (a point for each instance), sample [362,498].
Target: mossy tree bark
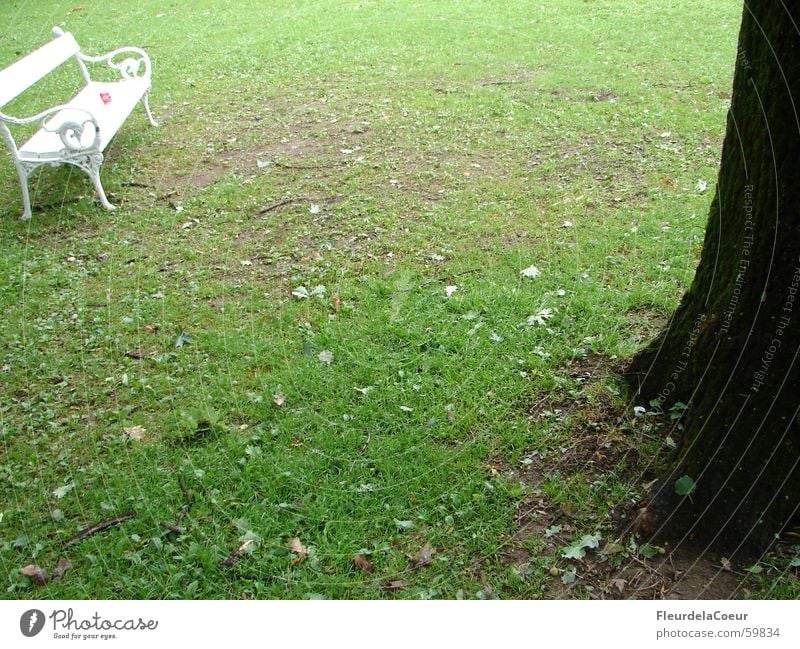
[731,349]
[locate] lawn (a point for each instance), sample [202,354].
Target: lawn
[303,353]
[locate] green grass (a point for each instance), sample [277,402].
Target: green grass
[420,145]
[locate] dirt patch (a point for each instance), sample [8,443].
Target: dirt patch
[646,322]
[682,574]
[297,145]
[201,180]
[619,564]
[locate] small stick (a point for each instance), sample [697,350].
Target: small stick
[502,82]
[275,206]
[188,496]
[237,554]
[442,277]
[362,451]
[186,493]
[170,527]
[284,165]
[99,527]
[300,199]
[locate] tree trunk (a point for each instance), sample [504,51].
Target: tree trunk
[731,349]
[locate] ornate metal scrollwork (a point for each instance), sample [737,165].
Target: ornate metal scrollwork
[75,133]
[90,163]
[129,68]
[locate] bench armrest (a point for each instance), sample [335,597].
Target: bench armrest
[71,128]
[129,67]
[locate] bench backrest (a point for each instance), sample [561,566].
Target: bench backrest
[20,76]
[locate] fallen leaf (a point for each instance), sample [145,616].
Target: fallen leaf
[578,549]
[279,398]
[619,584]
[539,318]
[36,574]
[298,548]
[423,557]
[552,531]
[362,563]
[531,272]
[397,584]
[726,564]
[684,486]
[135,432]
[61,567]
[63,490]
[574,552]
[326,357]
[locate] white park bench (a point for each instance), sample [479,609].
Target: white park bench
[77,132]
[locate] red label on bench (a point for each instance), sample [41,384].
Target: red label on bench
[106,97]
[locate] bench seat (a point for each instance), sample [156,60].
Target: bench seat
[120,99]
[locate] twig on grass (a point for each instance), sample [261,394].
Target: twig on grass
[444,277]
[284,165]
[276,205]
[228,561]
[99,527]
[300,199]
[169,526]
[188,496]
[363,450]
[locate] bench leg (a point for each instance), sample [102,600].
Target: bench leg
[146,104]
[22,172]
[91,165]
[94,174]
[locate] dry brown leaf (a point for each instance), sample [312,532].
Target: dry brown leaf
[619,584]
[362,563]
[136,432]
[423,557]
[61,567]
[298,548]
[726,564]
[397,584]
[37,575]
